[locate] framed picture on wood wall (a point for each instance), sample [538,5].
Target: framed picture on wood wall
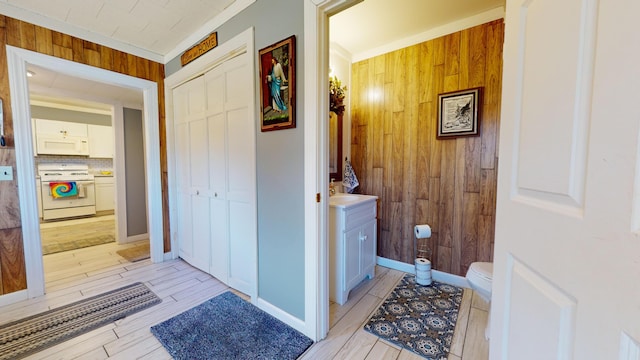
[459,113]
[277,85]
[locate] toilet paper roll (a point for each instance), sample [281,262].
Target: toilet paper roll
[422,231]
[423,274]
[422,263]
[423,281]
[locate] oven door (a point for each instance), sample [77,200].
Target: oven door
[82,204]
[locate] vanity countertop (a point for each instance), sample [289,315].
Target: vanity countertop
[344,200]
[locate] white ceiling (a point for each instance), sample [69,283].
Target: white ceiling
[153,29]
[162,29]
[368,28]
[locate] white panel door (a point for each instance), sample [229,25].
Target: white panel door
[567,247]
[215,87]
[189,108]
[215,171]
[199,185]
[229,97]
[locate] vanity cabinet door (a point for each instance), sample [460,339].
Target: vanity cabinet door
[351,259]
[368,249]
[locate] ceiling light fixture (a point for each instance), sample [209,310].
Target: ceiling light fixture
[30,73]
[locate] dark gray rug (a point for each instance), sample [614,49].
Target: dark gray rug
[418,318]
[38,332]
[227,327]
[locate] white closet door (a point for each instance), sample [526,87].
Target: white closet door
[214,83]
[232,176]
[191,155]
[200,212]
[215,163]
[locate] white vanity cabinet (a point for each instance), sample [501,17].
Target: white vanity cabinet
[352,243]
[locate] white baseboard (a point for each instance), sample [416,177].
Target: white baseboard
[285,317]
[439,276]
[13,297]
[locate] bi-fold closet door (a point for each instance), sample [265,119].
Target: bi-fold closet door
[215,173]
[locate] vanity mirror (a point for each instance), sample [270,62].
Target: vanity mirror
[337,93]
[335,146]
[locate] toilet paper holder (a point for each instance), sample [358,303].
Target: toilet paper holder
[421,247]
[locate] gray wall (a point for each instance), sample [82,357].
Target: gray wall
[280,160]
[134,172]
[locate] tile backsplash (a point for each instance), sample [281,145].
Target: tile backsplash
[94,163]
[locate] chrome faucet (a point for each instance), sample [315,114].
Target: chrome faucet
[332,188]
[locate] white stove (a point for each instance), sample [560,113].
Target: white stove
[68,190]
[64,172]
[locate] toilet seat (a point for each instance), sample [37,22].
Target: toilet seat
[480,276]
[483,270]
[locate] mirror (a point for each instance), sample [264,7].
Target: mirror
[335,146]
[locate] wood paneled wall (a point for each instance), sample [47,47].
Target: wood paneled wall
[449,184]
[35,38]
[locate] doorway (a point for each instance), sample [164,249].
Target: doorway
[18,60]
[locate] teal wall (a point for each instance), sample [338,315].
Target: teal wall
[280,162]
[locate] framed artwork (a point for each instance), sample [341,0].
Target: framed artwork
[459,113]
[277,85]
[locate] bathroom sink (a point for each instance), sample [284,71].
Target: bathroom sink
[344,197]
[346,200]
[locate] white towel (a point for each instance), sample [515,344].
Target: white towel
[349,180]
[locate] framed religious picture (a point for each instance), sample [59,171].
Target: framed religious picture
[277,85]
[459,112]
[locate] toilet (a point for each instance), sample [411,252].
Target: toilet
[480,276]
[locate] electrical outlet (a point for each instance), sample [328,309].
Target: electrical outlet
[6,173]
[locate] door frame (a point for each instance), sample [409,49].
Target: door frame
[17,60]
[316,176]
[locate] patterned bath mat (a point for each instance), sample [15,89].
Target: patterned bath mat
[36,333]
[418,318]
[227,327]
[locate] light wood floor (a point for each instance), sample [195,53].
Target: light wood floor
[73,275]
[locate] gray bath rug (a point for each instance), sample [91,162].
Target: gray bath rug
[38,332]
[227,327]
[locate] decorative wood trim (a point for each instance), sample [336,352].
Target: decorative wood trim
[199,49]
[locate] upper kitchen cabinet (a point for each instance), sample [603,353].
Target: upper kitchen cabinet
[61,138]
[100,141]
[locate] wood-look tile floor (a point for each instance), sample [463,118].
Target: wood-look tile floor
[73,275]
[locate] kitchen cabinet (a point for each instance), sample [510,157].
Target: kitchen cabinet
[105,193]
[100,141]
[352,243]
[55,137]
